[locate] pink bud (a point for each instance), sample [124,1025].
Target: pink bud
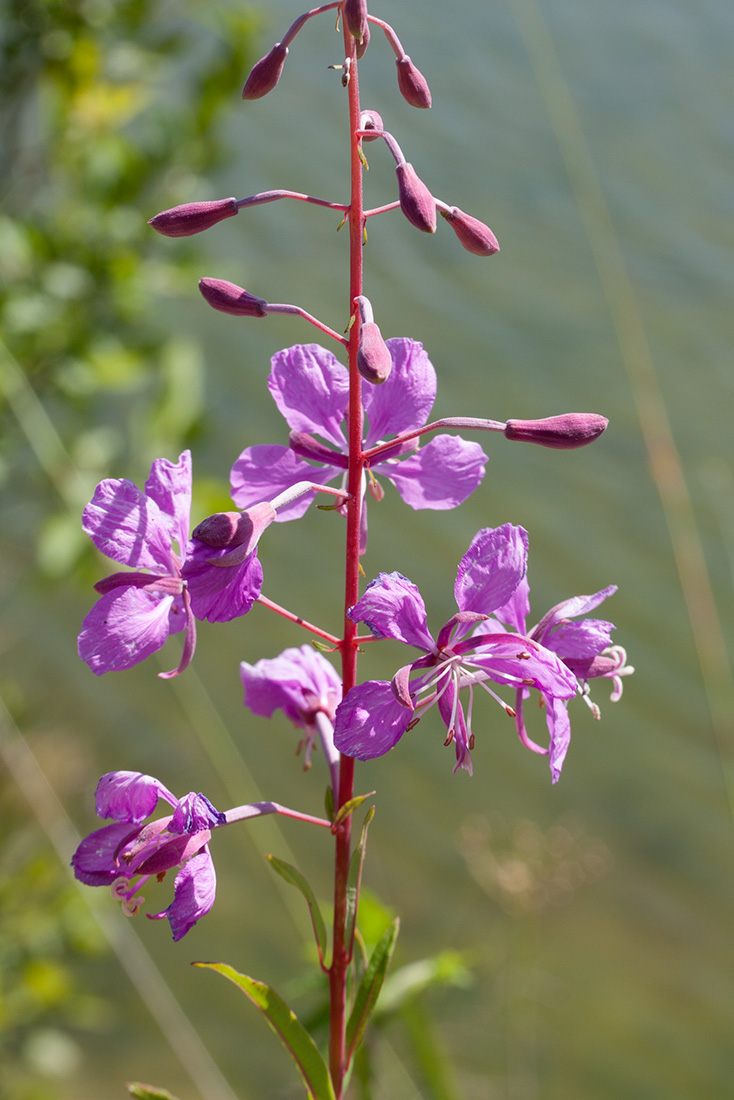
[230,298]
[416,201]
[374,361]
[240,531]
[193,217]
[412,84]
[266,73]
[474,235]
[370,120]
[561,432]
[355,17]
[362,46]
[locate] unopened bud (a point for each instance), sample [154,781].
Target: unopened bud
[355,17]
[374,361]
[193,217]
[362,46]
[561,432]
[230,298]
[416,201]
[474,235]
[412,84]
[266,73]
[238,532]
[370,120]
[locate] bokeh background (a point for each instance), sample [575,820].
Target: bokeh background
[583,932]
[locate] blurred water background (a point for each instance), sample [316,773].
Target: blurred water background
[593,919]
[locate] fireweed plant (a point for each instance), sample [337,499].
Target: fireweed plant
[358,415]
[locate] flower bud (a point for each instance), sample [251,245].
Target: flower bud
[370,120]
[355,17]
[362,46]
[265,74]
[230,298]
[237,531]
[561,432]
[416,201]
[193,217]
[474,235]
[412,84]
[374,361]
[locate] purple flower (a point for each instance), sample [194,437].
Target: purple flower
[585,647]
[127,854]
[467,653]
[172,580]
[148,531]
[305,686]
[311,389]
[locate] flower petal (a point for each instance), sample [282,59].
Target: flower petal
[128,527]
[515,612]
[130,796]
[570,609]
[441,475]
[404,401]
[220,593]
[195,889]
[94,860]
[559,726]
[492,568]
[512,659]
[392,607]
[580,640]
[124,627]
[298,681]
[370,721]
[194,814]
[263,472]
[169,485]
[311,389]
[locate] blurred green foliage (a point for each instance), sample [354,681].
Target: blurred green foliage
[109,112]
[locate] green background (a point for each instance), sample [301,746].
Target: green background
[595,916]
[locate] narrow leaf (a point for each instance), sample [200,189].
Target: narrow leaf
[369,987]
[148,1092]
[290,874]
[355,877]
[286,1025]
[349,808]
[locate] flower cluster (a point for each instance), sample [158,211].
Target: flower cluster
[472,648]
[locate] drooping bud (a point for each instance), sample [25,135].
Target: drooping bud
[560,432]
[193,217]
[474,235]
[416,201]
[230,298]
[238,531]
[265,74]
[374,361]
[362,46]
[370,120]
[412,84]
[355,17]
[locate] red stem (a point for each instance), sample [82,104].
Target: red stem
[341,949]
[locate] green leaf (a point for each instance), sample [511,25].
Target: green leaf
[349,808]
[148,1092]
[290,874]
[291,1032]
[355,876]
[369,987]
